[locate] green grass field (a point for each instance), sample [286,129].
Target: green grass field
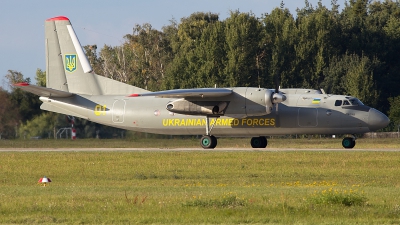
[201,187]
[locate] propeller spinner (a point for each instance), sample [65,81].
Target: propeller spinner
[278,97]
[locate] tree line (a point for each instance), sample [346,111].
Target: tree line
[350,52]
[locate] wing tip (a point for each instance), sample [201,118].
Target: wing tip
[134,95]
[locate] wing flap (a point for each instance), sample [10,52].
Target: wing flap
[187,93]
[43,91]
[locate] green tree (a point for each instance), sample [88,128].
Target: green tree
[198,52]
[41,126]
[277,47]
[352,75]
[114,64]
[150,52]
[359,80]
[394,112]
[94,60]
[9,116]
[28,104]
[243,33]
[210,57]
[316,41]
[140,60]
[40,78]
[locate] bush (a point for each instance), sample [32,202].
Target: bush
[339,197]
[229,200]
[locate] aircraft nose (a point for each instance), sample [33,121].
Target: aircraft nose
[377,120]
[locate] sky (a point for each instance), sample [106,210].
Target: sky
[103,22]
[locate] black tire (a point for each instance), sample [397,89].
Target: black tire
[264,141]
[258,142]
[214,141]
[353,143]
[348,142]
[208,142]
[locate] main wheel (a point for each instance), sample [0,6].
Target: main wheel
[258,142]
[264,141]
[213,141]
[208,141]
[348,142]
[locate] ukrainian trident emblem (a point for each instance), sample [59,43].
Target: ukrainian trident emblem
[70,63]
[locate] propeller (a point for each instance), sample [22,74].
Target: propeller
[277,97]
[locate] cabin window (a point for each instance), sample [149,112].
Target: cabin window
[338,103]
[345,102]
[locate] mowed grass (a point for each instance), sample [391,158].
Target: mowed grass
[201,187]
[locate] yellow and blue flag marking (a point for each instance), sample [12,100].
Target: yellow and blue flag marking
[316,101]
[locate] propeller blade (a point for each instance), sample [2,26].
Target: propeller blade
[277,82]
[277,97]
[277,117]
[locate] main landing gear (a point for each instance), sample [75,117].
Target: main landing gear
[349,142]
[208,140]
[259,142]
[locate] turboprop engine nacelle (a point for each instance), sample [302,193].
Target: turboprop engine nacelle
[258,101]
[183,106]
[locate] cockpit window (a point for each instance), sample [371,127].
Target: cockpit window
[355,101]
[345,102]
[351,101]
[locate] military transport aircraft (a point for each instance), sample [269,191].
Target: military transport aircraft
[72,88]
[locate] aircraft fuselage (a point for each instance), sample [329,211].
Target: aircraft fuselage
[301,113]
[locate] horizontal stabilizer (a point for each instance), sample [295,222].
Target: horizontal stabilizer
[43,91]
[186,93]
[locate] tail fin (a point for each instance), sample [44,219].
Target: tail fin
[67,67]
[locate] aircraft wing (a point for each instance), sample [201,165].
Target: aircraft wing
[43,91]
[186,93]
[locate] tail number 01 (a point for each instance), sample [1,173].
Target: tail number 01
[100,110]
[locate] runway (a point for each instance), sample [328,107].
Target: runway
[191,149]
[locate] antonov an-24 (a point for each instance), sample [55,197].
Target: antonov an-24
[72,88]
